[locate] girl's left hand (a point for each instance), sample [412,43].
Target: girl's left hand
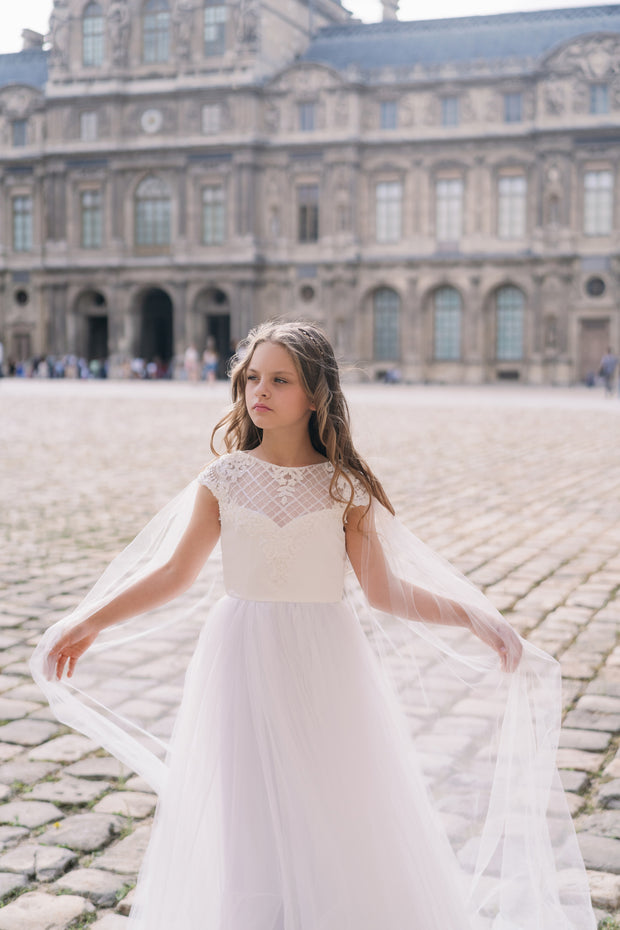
[503,639]
[71,646]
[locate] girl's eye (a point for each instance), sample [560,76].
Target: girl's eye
[251,377]
[280,381]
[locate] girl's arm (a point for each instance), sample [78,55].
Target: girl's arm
[162,585]
[395,596]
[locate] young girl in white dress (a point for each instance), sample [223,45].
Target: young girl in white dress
[293,796]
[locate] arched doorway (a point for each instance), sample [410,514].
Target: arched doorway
[156,331]
[93,325]
[213,306]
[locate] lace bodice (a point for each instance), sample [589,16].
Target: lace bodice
[282,532]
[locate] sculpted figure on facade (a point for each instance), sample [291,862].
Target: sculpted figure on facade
[60,25]
[247,25]
[554,99]
[183,21]
[119,30]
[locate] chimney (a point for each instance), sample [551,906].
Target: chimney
[390,9]
[31,39]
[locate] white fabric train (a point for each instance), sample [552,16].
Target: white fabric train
[310,786]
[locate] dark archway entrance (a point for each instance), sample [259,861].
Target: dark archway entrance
[156,339]
[92,326]
[213,305]
[97,337]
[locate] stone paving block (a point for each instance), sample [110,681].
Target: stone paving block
[613,769]
[128,803]
[9,751]
[578,759]
[600,853]
[36,910]
[67,748]
[605,890]
[127,903]
[99,886]
[602,823]
[609,794]
[69,790]
[573,781]
[111,922]
[125,856]
[84,832]
[599,704]
[32,860]
[26,772]
[27,732]
[29,813]
[10,882]
[10,835]
[589,740]
[13,709]
[584,720]
[136,783]
[99,767]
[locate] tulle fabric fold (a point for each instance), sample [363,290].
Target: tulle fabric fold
[280,831]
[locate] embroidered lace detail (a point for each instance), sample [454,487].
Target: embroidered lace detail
[281,494]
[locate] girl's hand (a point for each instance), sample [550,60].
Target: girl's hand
[72,645]
[503,639]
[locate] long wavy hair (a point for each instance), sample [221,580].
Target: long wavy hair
[329,425]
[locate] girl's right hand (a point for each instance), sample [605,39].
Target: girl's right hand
[72,645]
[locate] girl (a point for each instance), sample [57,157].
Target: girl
[292,798]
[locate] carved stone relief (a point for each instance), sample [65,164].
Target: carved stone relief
[60,25]
[555,99]
[183,24]
[119,30]
[247,25]
[596,58]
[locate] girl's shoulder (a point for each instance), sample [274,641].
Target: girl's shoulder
[221,471]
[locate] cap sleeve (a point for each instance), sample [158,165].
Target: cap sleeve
[361,497]
[212,477]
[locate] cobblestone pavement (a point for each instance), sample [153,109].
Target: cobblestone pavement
[520,487]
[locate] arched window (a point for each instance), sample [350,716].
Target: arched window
[509,308]
[155,31]
[152,211]
[386,325]
[93,27]
[447,335]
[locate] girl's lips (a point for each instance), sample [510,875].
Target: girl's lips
[260,407]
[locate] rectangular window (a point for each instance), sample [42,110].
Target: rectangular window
[598,203]
[511,207]
[22,223]
[389,195]
[211,118]
[513,108]
[215,29]
[92,219]
[308,212]
[388,114]
[449,111]
[92,41]
[449,208]
[18,130]
[599,98]
[156,36]
[307,114]
[213,215]
[88,126]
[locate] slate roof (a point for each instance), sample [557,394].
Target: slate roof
[506,35]
[27,67]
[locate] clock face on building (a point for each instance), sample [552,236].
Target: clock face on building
[151,121]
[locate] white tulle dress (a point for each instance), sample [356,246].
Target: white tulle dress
[294,797]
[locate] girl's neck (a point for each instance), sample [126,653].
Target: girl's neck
[293,452]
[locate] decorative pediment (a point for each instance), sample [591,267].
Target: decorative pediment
[19,100]
[595,57]
[306,80]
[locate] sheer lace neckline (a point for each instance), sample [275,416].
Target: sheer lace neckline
[254,458]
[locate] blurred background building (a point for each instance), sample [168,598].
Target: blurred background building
[443,195]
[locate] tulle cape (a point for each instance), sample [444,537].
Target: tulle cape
[485,739]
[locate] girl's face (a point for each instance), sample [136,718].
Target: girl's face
[274,396]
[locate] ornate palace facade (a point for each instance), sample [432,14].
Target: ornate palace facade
[443,195]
